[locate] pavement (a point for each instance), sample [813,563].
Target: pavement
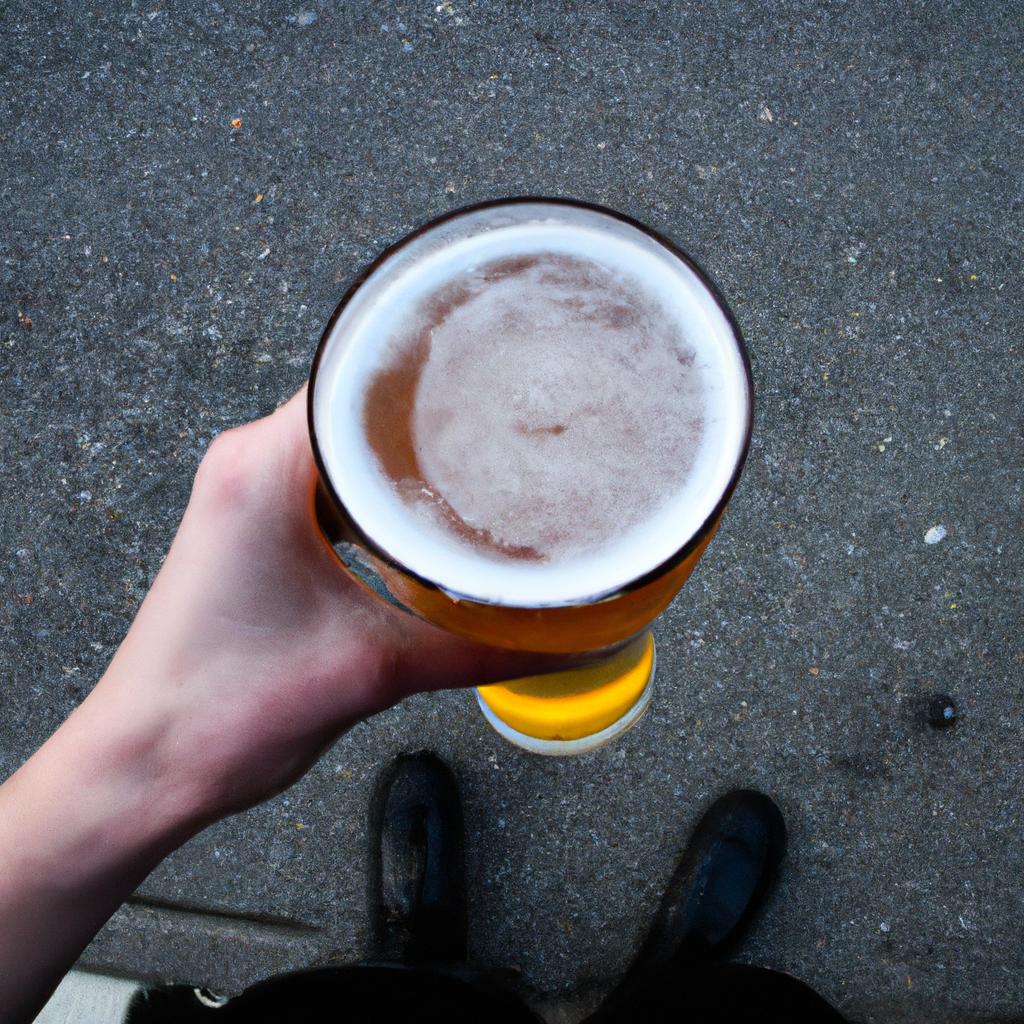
[87,998]
[186,189]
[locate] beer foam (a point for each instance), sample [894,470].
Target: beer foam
[531,405]
[554,405]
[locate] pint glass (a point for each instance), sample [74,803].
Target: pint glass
[527,417]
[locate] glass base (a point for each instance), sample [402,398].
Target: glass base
[568,713]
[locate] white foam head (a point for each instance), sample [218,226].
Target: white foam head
[636,504]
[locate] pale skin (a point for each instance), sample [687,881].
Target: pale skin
[251,653]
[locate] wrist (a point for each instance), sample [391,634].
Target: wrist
[101,797]
[85,820]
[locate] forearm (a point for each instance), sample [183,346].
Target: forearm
[252,652]
[81,825]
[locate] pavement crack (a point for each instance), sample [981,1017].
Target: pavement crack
[224,917]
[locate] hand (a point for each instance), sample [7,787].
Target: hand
[253,650]
[255,645]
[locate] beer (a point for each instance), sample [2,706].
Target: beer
[529,417]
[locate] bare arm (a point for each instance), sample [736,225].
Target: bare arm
[252,652]
[83,822]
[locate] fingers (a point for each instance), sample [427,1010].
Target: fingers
[430,659]
[424,656]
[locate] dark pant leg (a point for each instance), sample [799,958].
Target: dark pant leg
[374,994]
[714,993]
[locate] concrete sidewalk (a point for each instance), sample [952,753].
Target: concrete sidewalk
[85,998]
[850,175]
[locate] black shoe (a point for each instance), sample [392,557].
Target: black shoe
[722,878]
[418,881]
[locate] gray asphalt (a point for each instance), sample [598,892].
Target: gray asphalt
[849,174]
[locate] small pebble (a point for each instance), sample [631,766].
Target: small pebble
[935,534]
[942,712]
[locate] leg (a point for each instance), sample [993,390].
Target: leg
[381,994]
[721,993]
[720,882]
[418,972]
[418,877]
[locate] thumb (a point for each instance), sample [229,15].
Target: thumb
[288,420]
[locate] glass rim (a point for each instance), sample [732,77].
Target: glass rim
[360,536]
